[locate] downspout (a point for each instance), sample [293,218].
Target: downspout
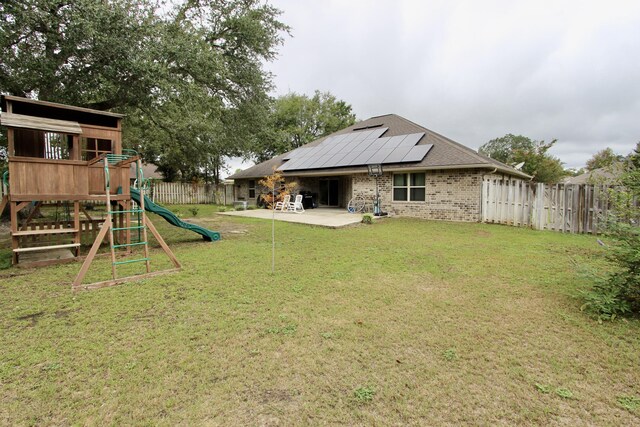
[481,201]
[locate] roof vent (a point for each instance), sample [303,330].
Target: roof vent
[368,127]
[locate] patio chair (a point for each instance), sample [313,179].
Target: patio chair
[284,204]
[296,206]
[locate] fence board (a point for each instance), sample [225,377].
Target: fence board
[565,208]
[180,193]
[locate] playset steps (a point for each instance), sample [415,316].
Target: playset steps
[46,248]
[43,232]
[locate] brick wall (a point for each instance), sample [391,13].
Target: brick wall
[241,190]
[452,195]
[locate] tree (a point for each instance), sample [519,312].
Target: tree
[618,292]
[276,188]
[603,159]
[513,149]
[296,120]
[188,74]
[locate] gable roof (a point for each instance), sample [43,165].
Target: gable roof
[445,153]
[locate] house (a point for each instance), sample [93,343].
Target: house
[601,176]
[149,171]
[425,174]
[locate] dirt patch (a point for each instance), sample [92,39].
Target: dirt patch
[33,317]
[225,228]
[483,233]
[276,395]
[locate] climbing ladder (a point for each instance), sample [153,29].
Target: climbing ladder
[110,227]
[111,159]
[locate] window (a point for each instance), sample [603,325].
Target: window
[94,147]
[252,188]
[409,187]
[42,144]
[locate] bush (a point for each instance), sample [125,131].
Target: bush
[618,293]
[367,218]
[194,210]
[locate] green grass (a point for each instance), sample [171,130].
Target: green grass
[399,322]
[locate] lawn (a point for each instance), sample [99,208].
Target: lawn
[402,322]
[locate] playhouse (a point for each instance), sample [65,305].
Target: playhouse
[68,159]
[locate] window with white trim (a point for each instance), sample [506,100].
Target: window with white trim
[409,187]
[252,188]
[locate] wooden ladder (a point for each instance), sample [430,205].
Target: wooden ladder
[109,227]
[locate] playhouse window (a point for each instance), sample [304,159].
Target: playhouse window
[409,187]
[43,145]
[94,147]
[252,188]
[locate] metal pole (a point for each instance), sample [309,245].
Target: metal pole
[273,230]
[377,209]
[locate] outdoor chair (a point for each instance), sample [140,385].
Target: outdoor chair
[284,204]
[296,206]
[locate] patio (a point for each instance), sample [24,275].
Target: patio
[323,217]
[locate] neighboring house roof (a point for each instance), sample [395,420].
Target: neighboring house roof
[149,170]
[597,176]
[445,153]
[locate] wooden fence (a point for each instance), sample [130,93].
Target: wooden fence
[180,193]
[567,208]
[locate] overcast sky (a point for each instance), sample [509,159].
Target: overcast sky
[476,70]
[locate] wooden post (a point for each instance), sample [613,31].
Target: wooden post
[14,228]
[92,253]
[76,226]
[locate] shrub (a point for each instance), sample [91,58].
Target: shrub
[367,218]
[618,293]
[194,210]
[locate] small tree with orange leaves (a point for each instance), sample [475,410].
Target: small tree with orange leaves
[276,183]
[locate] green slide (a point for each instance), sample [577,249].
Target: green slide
[172,219]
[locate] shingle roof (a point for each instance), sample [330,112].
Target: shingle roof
[445,153]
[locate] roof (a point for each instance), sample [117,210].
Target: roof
[30,122]
[52,111]
[149,170]
[445,153]
[606,175]
[56,105]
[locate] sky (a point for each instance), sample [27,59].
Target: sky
[475,70]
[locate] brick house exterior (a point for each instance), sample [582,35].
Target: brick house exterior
[445,185]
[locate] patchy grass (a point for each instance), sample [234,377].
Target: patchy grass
[400,322]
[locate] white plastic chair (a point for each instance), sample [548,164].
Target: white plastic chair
[284,204]
[296,206]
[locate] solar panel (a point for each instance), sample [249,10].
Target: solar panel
[397,155]
[362,158]
[377,133]
[379,143]
[417,153]
[380,155]
[333,161]
[320,161]
[411,140]
[358,148]
[347,159]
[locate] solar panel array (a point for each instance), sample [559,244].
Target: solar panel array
[358,149]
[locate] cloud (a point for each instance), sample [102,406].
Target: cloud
[476,70]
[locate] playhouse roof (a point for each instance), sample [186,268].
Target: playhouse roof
[31,113]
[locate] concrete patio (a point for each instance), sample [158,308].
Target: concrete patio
[324,217]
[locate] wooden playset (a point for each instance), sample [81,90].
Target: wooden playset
[67,159]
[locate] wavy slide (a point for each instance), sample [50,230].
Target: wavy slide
[172,219]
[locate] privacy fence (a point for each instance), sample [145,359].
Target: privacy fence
[180,193]
[567,208]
